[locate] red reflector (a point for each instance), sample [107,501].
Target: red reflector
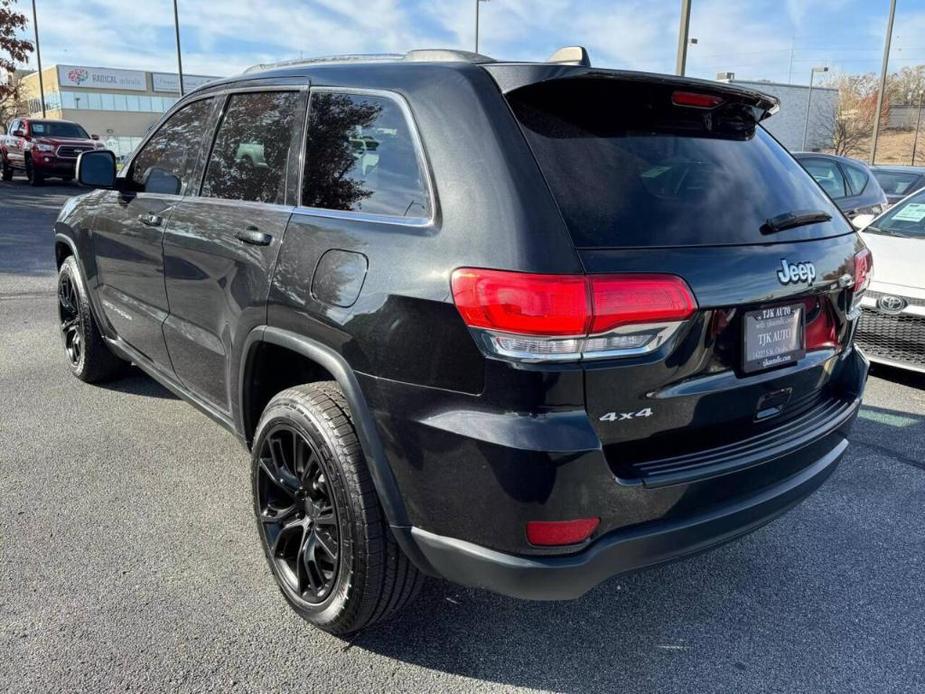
[863,264]
[639,299]
[556,305]
[518,302]
[695,99]
[548,533]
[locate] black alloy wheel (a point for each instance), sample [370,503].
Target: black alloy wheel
[70,319]
[298,515]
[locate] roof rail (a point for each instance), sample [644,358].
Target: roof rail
[445,55]
[570,55]
[345,58]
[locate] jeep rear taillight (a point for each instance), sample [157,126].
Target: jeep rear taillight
[534,317]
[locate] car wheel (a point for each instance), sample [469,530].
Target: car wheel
[87,354]
[5,171]
[323,531]
[35,178]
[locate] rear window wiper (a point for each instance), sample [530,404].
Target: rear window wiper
[791,220]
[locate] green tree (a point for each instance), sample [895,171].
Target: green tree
[13,50]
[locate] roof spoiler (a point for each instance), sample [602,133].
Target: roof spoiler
[571,55]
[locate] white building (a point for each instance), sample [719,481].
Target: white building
[788,124]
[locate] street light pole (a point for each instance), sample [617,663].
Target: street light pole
[477,3]
[683,31]
[883,68]
[176,26]
[38,56]
[918,121]
[809,101]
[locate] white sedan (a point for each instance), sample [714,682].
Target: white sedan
[892,326]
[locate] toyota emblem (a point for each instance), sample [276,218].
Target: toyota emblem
[891,304]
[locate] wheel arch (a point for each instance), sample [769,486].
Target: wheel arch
[328,364]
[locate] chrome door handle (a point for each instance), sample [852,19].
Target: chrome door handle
[150,219]
[253,236]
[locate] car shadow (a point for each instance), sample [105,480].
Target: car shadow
[137,382]
[770,607]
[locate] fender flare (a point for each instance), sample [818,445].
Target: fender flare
[370,442]
[337,366]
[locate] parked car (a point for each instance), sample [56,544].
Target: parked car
[899,181]
[892,326]
[42,148]
[848,182]
[568,323]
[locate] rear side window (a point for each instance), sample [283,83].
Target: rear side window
[165,163]
[828,175]
[628,168]
[249,159]
[857,178]
[360,156]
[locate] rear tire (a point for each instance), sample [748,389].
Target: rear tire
[88,355]
[5,171]
[322,528]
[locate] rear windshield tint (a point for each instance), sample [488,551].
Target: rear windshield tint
[628,168]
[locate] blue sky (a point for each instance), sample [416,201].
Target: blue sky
[756,39]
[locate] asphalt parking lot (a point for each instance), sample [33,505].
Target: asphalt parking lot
[129,560]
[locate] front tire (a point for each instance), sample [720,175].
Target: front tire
[6,171]
[323,531]
[88,356]
[35,178]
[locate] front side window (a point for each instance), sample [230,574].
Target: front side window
[857,178]
[827,175]
[360,156]
[166,162]
[251,151]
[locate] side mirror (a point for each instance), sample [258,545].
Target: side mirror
[94,136]
[96,169]
[19,133]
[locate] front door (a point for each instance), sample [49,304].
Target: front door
[221,246]
[129,229]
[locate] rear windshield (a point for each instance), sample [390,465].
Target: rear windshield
[57,129]
[897,182]
[628,168]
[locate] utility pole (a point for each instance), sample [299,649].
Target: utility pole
[38,56]
[809,101]
[683,31]
[176,26]
[883,69]
[918,121]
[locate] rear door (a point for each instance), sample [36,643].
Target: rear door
[221,245]
[129,229]
[652,179]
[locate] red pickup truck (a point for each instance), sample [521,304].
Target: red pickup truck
[43,148]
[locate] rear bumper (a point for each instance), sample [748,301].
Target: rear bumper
[622,551]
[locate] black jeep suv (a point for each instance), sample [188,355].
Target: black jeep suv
[524,326]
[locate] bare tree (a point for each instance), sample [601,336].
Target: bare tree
[13,50]
[854,116]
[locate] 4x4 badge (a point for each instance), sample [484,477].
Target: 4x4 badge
[792,273]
